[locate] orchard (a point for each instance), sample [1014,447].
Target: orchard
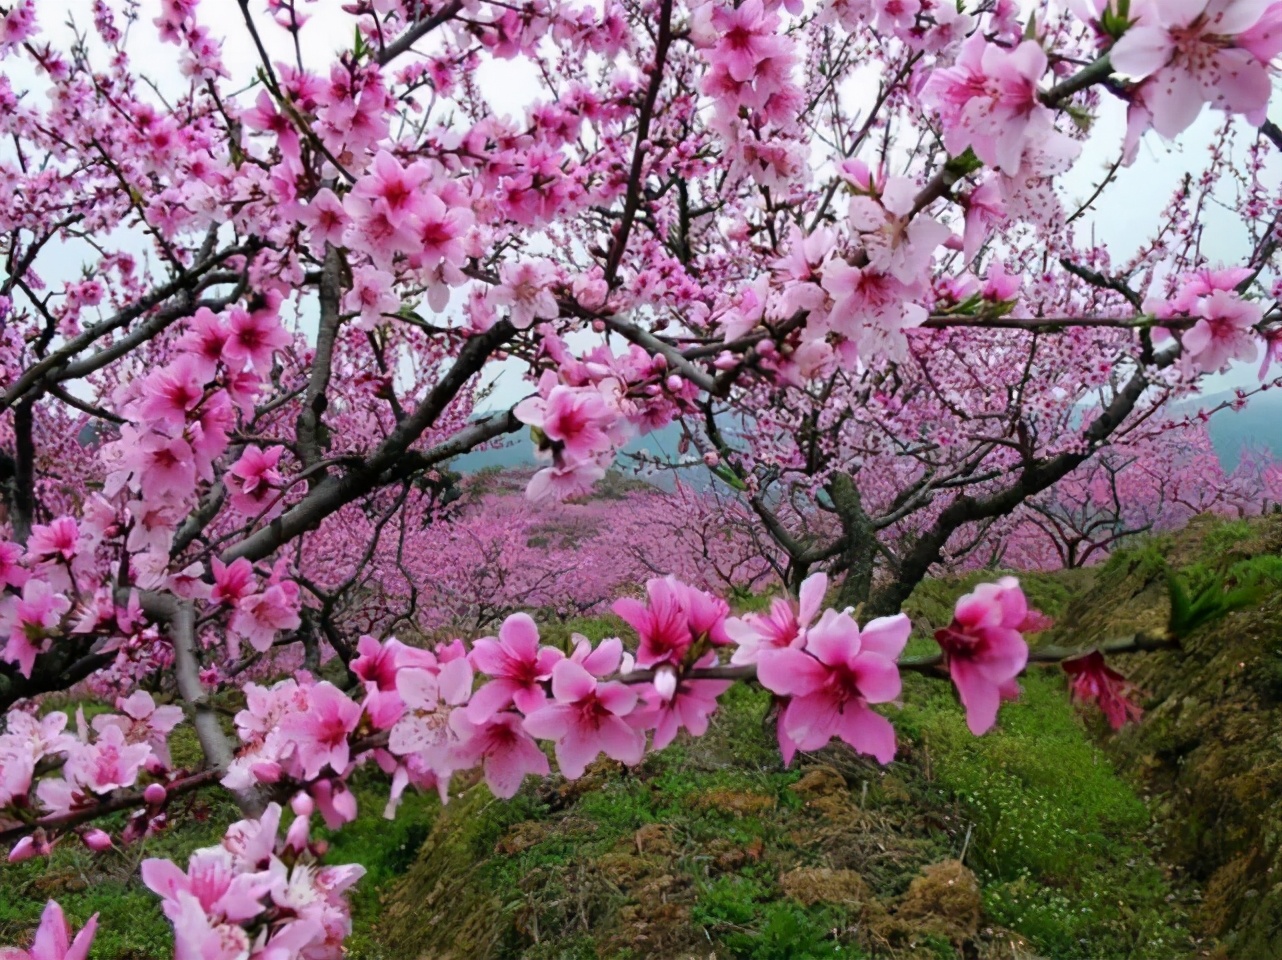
[260,291]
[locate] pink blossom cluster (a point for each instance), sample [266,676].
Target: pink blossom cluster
[110,754]
[587,408]
[257,895]
[1225,323]
[836,245]
[429,719]
[258,615]
[1188,54]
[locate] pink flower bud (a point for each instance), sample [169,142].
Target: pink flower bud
[266,772]
[665,681]
[674,383]
[28,847]
[766,348]
[97,840]
[298,834]
[302,804]
[155,794]
[711,458]
[725,360]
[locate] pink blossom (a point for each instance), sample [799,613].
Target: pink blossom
[337,804]
[30,620]
[524,290]
[164,466]
[988,100]
[60,540]
[106,764]
[687,707]
[378,665]
[661,624]
[1187,50]
[16,770]
[260,616]
[204,341]
[321,732]
[502,746]
[985,649]
[255,479]
[1091,680]
[11,573]
[1224,331]
[587,717]
[562,480]
[429,696]
[170,395]
[371,296]
[518,668]
[745,37]
[232,581]
[393,188]
[143,722]
[213,879]
[53,939]
[576,419]
[784,626]
[325,218]
[834,678]
[253,338]
[676,617]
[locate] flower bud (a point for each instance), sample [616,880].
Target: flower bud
[299,833]
[96,840]
[155,794]
[665,681]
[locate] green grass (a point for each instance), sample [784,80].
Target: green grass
[751,921]
[1057,835]
[385,848]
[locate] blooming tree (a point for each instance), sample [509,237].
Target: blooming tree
[829,240]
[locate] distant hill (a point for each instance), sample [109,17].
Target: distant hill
[1258,424]
[518,453]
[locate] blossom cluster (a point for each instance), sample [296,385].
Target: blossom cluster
[81,769]
[257,895]
[425,715]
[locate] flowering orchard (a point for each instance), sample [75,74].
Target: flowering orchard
[832,240]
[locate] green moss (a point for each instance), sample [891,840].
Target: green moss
[747,919]
[1057,836]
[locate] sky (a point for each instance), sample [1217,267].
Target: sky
[1125,219]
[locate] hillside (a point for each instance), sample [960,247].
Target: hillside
[1050,838]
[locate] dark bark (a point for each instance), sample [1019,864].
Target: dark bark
[859,541]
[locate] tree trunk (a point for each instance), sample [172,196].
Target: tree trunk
[860,539]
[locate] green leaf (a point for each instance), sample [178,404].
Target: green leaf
[1180,606]
[728,477]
